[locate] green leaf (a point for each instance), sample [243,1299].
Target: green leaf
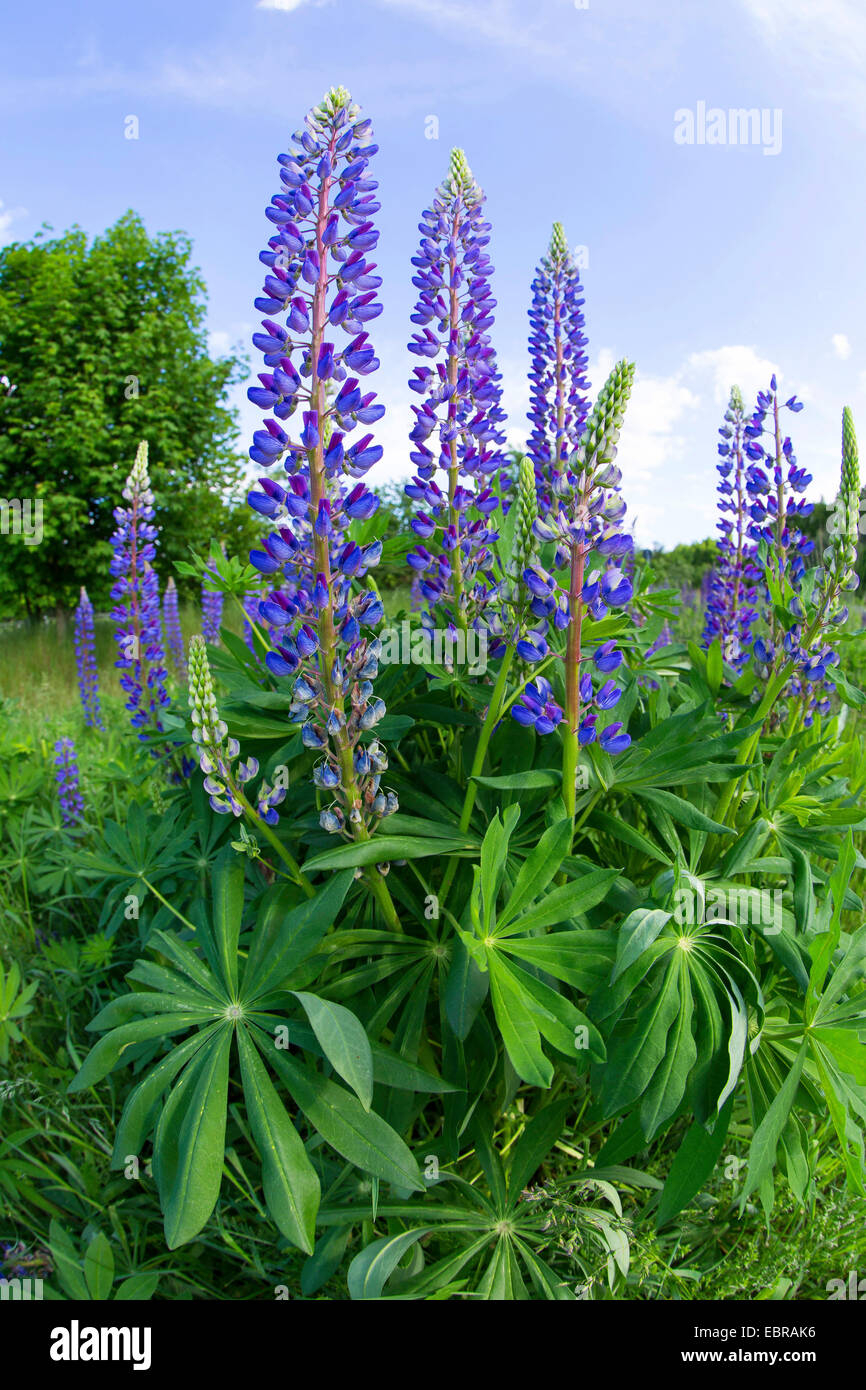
[466,988]
[228,906]
[363,1138]
[638,931]
[533,780]
[189,1145]
[138,1287]
[343,1041]
[285,936]
[636,1053]
[564,903]
[139,1112]
[372,1268]
[538,869]
[765,1141]
[291,1187]
[99,1267]
[104,1055]
[668,1084]
[66,1262]
[695,1160]
[579,958]
[683,811]
[383,848]
[515,1016]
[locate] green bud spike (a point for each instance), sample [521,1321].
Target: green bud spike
[601,437]
[527,512]
[558,244]
[843,526]
[736,402]
[850,461]
[460,174]
[208,727]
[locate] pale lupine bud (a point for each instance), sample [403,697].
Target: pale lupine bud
[218,752]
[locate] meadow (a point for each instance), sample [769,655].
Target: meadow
[328,974]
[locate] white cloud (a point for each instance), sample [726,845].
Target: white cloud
[841,345]
[735,365]
[825,43]
[286,5]
[7,217]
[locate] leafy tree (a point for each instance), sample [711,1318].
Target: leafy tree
[104,343]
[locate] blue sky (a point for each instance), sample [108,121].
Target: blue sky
[707,263]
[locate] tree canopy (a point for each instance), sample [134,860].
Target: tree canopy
[104,344]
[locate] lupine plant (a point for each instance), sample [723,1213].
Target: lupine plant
[172,629]
[461,394]
[558,364]
[731,605]
[68,790]
[85,660]
[136,616]
[436,961]
[211,610]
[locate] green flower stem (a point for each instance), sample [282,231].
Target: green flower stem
[288,859]
[494,714]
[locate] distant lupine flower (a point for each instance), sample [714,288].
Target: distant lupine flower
[173,634]
[251,609]
[321,285]
[217,752]
[731,603]
[585,520]
[66,765]
[85,660]
[461,396]
[211,611]
[557,347]
[136,595]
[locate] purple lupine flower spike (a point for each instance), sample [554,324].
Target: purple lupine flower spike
[585,522]
[732,595]
[211,611]
[559,404]
[136,597]
[173,634]
[776,484]
[461,397]
[319,297]
[69,793]
[85,660]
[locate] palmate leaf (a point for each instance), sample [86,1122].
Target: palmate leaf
[291,1186]
[189,1146]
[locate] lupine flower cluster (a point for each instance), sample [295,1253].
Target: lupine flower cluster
[211,611]
[173,634]
[319,285]
[136,596]
[731,610]
[461,397]
[559,360]
[217,752]
[584,521]
[775,485]
[85,661]
[66,775]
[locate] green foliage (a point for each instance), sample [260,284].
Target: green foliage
[126,346]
